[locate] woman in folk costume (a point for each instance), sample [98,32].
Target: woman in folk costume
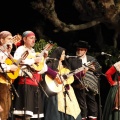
[5,84]
[62,104]
[112,105]
[29,103]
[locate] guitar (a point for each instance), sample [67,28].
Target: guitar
[40,65]
[56,85]
[17,38]
[10,61]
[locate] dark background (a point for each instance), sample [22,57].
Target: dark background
[18,16]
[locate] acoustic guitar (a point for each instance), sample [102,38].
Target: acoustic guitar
[56,85]
[16,39]
[10,61]
[40,65]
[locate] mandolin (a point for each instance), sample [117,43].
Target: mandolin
[10,61]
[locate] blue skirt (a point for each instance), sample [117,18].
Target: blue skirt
[51,110]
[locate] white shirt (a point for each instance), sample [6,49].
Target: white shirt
[29,61]
[3,66]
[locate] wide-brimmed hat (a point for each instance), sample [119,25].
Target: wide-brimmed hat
[81,44]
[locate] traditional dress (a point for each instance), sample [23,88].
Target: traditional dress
[112,110]
[61,105]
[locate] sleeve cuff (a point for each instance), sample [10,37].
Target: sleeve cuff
[45,68]
[29,61]
[51,72]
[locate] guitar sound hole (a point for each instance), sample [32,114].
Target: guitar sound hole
[65,76]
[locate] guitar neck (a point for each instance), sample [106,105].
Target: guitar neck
[80,69]
[23,56]
[49,47]
[42,53]
[75,72]
[18,61]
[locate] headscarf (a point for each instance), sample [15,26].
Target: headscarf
[25,34]
[4,34]
[28,33]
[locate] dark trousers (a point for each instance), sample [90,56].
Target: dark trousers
[87,102]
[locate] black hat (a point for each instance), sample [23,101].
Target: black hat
[81,44]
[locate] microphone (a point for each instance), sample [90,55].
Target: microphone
[103,53]
[67,56]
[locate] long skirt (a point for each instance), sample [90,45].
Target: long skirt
[51,111]
[29,102]
[109,113]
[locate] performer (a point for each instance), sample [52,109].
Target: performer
[5,83]
[111,110]
[61,103]
[84,92]
[29,104]
[1,109]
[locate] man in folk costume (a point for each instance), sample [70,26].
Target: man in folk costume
[29,104]
[85,93]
